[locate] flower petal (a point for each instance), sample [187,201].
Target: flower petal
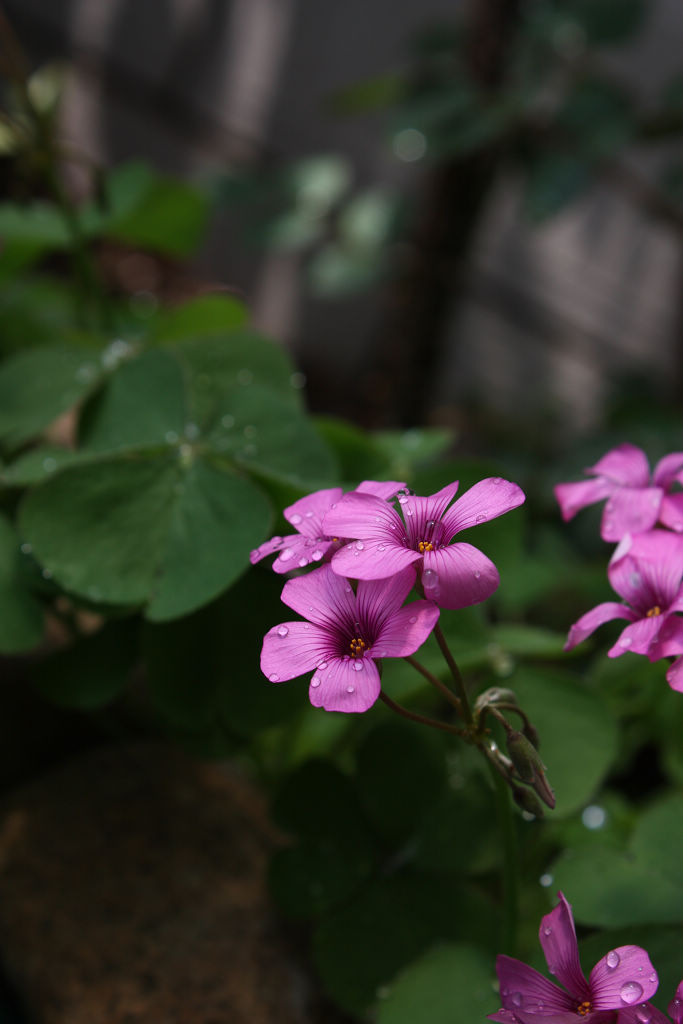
[406,630]
[386,489]
[300,551]
[378,600]
[486,500]
[642,1012]
[671,511]
[458,576]
[646,569]
[363,516]
[345,685]
[667,470]
[630,510]
[623,977]
[675,1007]
[269,547]
[523,988]
[322,597]
[637,637]
[589,622]
[574,496]
[669,640]
[626,465]
[306,514]
[372,559]
[674,676]
[557,936]
[292,648]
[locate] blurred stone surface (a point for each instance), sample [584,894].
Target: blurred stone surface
[132,888]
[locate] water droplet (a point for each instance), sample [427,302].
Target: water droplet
[306,625]
[382,654]
[360,545]
[286,554]
[402,499]
[477,574]
[295,519]
[348,589]
[625,641]
[315,681]
[114,353]
[303,562]
[358,666]
[594,817]
[546,880]
[322,666]
[409,510]
[227,421]
[276,540]
[643,1014]
[26,549]
[653,979]
[547,930]
[516,999]
[273,677]
[496,479]
[350,689]
[413,618]
[170,437]
[309,514]
[317,554]
[430,579]
[431,523]
[49,465]
[191,431]
[245,377]
[481,518]
[630,992]
[381,547]
[282,631]
[613,959]
[249,451]
[85,372]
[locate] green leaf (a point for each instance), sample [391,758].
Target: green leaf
[201,317]
[159,530]
[21,615]
[35,465]
[319,873]
[38,385]
[600,115]
[608,21]
[34,311]
[337,269]
[355,450]
[529,641]
[579,745]
[157,213]
[451,984]
[92,672]
[40,223]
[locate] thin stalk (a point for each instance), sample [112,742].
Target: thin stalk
[422,719]
[436,682]
[510,872]
[457,677]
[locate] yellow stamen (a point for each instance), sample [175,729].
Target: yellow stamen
[357,646]
[655,610]
[584,1008]
[425,545]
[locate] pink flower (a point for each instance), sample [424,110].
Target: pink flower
[646,570]
[646,1013]
[453,575]
[344,634]
[624,977]
[635,502]
[310,543]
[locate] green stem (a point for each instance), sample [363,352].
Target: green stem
[508,834]
[422,719]
[436,682]
[457,677]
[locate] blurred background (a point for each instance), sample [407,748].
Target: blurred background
[452,213]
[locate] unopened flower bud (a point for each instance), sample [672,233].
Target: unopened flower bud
[531,734]
[527,801]
[528,765]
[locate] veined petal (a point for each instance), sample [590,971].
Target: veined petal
[638,637]
[322,597]
[486,500]
[646,569]
[350,685]
[372,559]
[625,465]
[589,622]
[623,977]
[667,470]
[524,989]
[269,547]
[406,630]
[630,510]
[574,496]
[363,517]
[671,511]
[300,551]
[293,648]
[458,576]
[640,1013]
[386,489]
[558,940]
[503,1017]
[675,1007]
[378,600]
[306,514]
[674,676]
[669,640]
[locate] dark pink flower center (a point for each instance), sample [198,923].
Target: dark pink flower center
[358,647]
[584,1008]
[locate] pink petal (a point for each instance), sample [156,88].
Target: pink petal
[406,630]
[675,1008]
[625,465]
[674,678]
[523,988]
[345,685]
[589,622]
[377,600]
[322,597]
[558,940]
[307,513]
[293,648]
[573,497]
[363,516]
[641,1012]
[486,500]
[646,569]
[458,576]
[386,489]
[269,547]
[667,470]
[630,510]
[669,640]
[671,511]
[623,977]
[637,637]
[300,551]
[372,559]
[503,1017]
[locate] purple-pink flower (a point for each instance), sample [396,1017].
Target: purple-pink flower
[624,977]
[452,575]
[635,501]
[646,1013]
[646,570]
[345,632]
[310,543]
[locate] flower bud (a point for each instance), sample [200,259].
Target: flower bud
[526,800]
[528,765]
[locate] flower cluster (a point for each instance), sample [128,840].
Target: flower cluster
[644,515]
[375,544]
[616,992]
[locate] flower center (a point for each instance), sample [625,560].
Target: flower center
[655,610]
[426,545]
[358,647]
[584,1008]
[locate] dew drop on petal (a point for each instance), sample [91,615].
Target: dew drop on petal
[516,999]
[303,562]
[348,588]
[360,545]
[317,555]
[643,1014]
[481,518]
[653,979]
[430,579]
[350,689]
[413,618]
[547,930]
[409,510]
[273,677]
[322,666]
[282,631]
[358,666]
[402,499]
[276,540]
[625,641]
[381,547]
[315,681]
[477,574]
[286,555]
[613,959]
[630,992]
[295,519]
[496,479]
[306,626]
[309,515]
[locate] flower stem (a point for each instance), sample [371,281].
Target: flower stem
[422,719]
[457,677]
[435,681]
[510,871]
